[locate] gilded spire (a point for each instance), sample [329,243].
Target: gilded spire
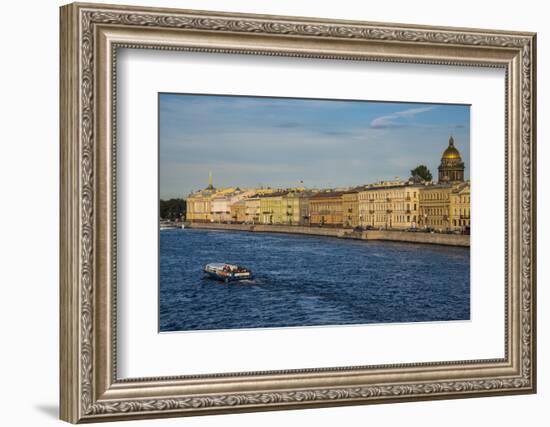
[451,141]
[210,186]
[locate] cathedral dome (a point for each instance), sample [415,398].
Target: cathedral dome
[451,153]
[451,168]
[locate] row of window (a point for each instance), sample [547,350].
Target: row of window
[434,196]
[368,219]
[386,195]
[460,211]
[385,206]
[336,209]
[434,211]
[443,196]
[325,207]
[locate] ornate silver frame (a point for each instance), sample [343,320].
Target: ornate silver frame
[90,36]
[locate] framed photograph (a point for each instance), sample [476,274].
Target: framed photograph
[266,212]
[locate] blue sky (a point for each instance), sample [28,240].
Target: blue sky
[278,142]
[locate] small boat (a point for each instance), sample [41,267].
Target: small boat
[227,272]
[167,226]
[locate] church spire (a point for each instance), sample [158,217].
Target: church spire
[210,186]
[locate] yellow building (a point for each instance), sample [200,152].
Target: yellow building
[445,207]
[215,204]
[296,205]
[435,206]
[325,209]
[222,201]
[289,207]
[271,208]
[252,209]
[198,206]
[460,207]
[238,212]
[252,204]
[350,208]
[389,205]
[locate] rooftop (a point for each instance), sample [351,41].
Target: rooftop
[324,194]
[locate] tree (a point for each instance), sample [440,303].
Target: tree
[172,209]
[423,172]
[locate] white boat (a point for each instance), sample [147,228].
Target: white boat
[227,272]
[167,226]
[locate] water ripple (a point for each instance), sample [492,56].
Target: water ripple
[308,280]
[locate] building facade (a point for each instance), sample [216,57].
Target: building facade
[350,209]
[252,209]
[445,207]
[435,207]
[326,209]
[198,206]
[393,205]
[238,212]
[214,204]
[296,206]
[222,201]
[285,208]
[460,207]
[271,208]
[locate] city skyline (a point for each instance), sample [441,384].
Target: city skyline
[284,142]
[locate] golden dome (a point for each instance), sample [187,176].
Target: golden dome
[451,153]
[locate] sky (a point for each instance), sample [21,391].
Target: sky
[284,142]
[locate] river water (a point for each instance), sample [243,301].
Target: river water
[308,280]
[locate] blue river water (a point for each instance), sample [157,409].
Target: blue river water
[308,280]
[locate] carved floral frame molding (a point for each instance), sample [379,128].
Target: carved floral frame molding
[90,37]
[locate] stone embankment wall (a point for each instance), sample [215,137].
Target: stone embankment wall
[396,236]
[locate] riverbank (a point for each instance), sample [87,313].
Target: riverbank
[344,233]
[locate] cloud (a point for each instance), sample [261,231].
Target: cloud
[398,119]
[278,142]
[338,133]
[288,125]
